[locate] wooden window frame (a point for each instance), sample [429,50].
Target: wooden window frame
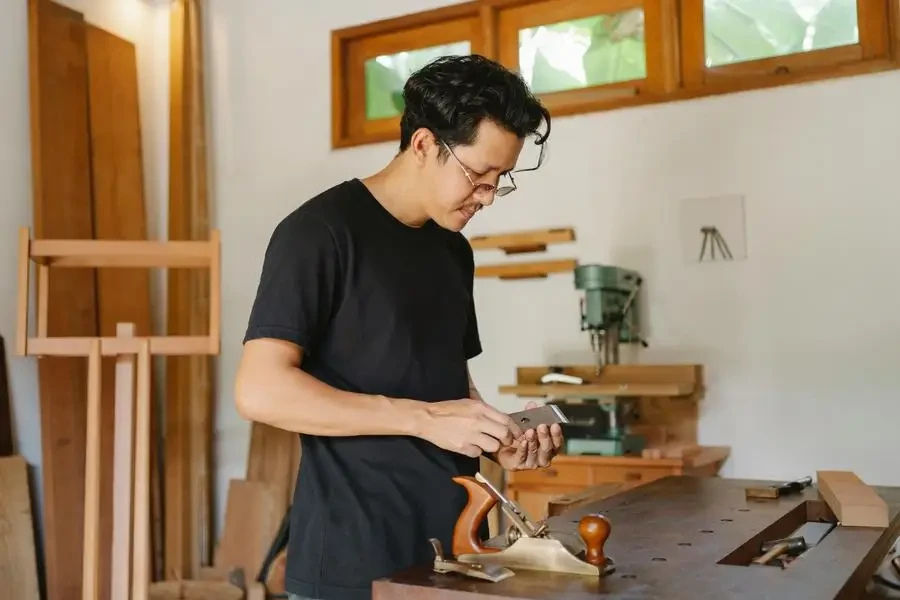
[676,55]
[351,47]
[873,52]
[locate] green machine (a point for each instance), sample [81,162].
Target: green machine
[598,425]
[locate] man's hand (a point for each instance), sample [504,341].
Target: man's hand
[467,426]
[533,450]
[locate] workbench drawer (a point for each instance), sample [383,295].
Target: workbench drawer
[564,474]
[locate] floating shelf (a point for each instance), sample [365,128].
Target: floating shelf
[527,270]
[559,390]
[520,242]
[614,380]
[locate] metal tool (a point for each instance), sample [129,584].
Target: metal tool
[807,536]
[781,489]
[548,414]
[529,546]
[609,309]
[492,573]
[523,525]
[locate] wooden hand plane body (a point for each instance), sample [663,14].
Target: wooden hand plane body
[528,546]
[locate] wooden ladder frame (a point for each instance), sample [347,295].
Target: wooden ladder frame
[131,470]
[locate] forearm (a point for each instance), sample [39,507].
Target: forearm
[291,399]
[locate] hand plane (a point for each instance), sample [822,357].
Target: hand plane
[529,546]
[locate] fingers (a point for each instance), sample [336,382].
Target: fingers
[556,436]
[486,442]
[545,446]
[503,419]
[471,451]
[500,432]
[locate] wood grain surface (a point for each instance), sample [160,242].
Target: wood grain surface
[669,539]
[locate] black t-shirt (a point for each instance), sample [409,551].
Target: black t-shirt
[379,308]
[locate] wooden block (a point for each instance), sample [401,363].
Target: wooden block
[18,569]
[194,590]
[853,502]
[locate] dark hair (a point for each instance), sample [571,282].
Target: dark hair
[451,95]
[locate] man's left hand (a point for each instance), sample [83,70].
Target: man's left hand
[533,450]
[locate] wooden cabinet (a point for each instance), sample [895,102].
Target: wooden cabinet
[533,490]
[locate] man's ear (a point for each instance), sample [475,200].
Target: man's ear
[422,144]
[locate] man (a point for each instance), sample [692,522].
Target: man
[362,327]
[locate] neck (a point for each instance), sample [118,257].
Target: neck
[395,189]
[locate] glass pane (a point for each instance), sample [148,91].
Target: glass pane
[386,75]
[583,52]
[743,30]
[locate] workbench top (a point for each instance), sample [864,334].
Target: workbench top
[669,539]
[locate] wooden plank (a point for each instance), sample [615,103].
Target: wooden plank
[527,270]
[6,435]
[91,582]
[123,469]
[274,459]
[517,242]
[60,148]
[188,395]
[120,231]
[126,186]
[594,390]
[18,566]
[111,346]
[253,514]
[853,502]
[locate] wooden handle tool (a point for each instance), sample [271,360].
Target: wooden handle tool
[594,530]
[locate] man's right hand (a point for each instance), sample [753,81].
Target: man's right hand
[469,427]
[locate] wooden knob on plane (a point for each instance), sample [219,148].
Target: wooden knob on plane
[594,530]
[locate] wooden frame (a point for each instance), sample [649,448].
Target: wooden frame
[675,51]
[47,254]
[131,455]
[874,47]
[351,47]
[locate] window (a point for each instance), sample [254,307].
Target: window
[371,63]
[588,55]
[743,40]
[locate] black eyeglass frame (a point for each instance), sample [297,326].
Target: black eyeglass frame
[487,188]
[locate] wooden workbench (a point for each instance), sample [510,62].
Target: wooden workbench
[686,537]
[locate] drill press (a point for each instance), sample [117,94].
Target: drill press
[598,425]
[609,309]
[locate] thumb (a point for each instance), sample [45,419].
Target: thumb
[531,405]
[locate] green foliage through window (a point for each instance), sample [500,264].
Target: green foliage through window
[583,52]
[745,30]
[386,75]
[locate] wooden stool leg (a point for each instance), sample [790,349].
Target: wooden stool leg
[91,559]
[141,554]
[123,464]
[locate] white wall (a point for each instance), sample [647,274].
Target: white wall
[143,22]
[800,341]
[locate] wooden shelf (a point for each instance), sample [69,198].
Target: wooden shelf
[614,380]
[563,390]
[519,242]
[527,270]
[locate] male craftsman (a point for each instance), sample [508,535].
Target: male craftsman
[362,327]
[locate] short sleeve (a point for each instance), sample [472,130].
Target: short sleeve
[472,342]
[299,285]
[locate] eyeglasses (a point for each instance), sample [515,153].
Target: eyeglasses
[487,189]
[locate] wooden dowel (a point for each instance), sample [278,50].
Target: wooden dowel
[215,285]
[141,555]
[91,557]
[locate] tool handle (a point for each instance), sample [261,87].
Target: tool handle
[465,532]
[776,551]
[594,530]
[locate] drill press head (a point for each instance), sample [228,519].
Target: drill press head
[608,308]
